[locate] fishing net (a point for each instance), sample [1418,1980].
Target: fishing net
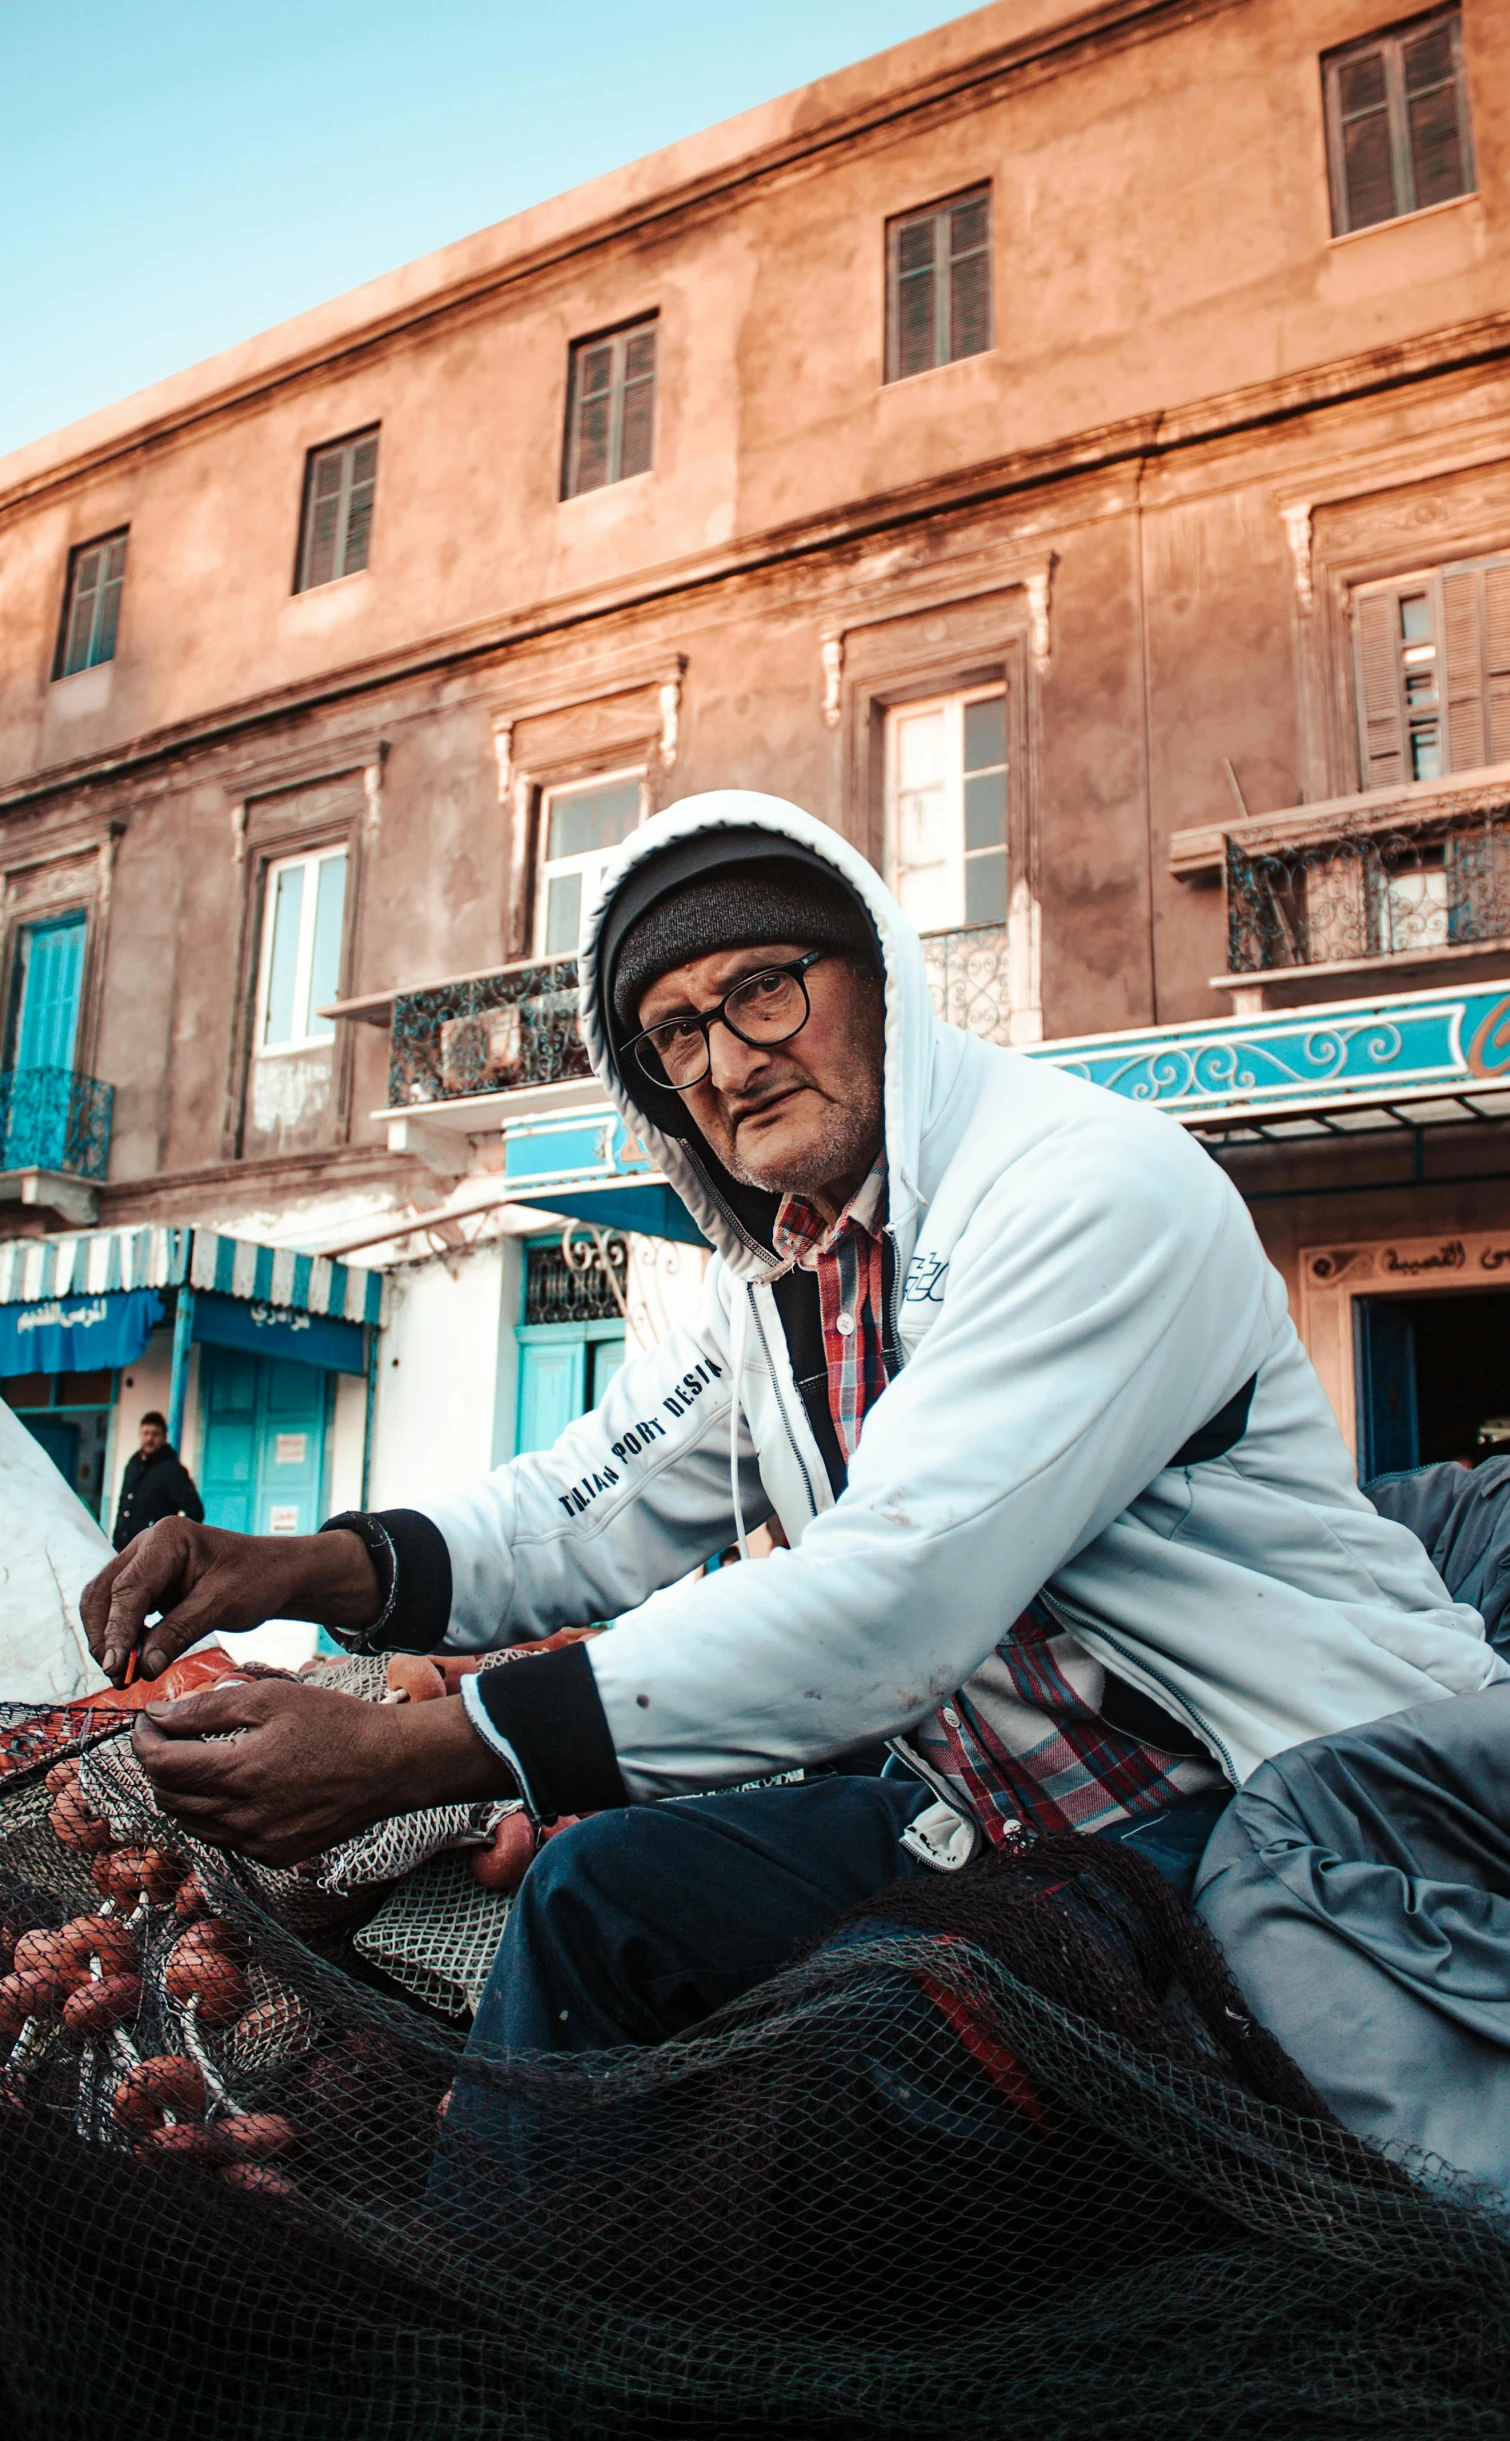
[1005,2155]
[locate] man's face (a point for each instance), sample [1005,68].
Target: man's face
[153,1438]
[802,1116]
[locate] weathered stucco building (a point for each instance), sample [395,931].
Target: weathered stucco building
[1070,453]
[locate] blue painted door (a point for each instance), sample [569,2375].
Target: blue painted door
[564,1369]
[228,1438]
[1388,1414]
[552,1372]
[262,1462]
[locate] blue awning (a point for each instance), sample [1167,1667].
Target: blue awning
[80,1334]
[649,1210]
[279,1330]
[589,1167]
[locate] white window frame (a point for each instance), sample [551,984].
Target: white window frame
[592,861]
[310,860]
[952,705]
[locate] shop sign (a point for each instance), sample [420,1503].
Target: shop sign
[78,1334]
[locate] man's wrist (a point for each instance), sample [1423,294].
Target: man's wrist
[334,1582]
[435,1757]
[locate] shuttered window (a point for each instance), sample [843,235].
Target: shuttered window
[91,604]
[610,413]
[938,284]
[1398,137]
[1433,672]
[340,487]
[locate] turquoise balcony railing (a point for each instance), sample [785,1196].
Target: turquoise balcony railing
[54,1119]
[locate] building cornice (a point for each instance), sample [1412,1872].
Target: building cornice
[207,1195]
[1047,51]
[1133,442]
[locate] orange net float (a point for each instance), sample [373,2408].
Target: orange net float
[254,2135]
[177,2140]
[413,1678]
[154,2088]
[98,2008]
[504,1862]
[77,1826]
[130,1873]
[105,1938]
[203,1966]
[189,1899]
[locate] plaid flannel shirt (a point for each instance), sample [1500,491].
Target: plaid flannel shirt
[1028,1745]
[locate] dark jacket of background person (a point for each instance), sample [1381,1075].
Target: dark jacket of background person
[153,1487]
[1463,1518]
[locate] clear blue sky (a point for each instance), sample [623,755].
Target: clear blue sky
[176,175]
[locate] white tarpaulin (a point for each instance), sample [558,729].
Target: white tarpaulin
[50,1547]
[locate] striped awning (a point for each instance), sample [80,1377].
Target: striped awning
[100,1261]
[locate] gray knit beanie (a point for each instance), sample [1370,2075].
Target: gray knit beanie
[777,898]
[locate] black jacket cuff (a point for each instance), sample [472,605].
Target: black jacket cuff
[413,1565]
[548,1707]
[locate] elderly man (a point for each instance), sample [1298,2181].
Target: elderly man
[1070,1523]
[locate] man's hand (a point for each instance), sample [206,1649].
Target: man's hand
[278,1771]
[207,1582]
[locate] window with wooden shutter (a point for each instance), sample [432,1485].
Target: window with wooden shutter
[1398,136]
[938,284]
[1433,672]
[610,409]
[91,604]
[340,488]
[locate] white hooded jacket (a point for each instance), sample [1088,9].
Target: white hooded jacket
[1079,1288]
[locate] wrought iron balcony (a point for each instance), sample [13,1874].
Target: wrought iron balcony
[486,1034]
[53,1119]
[968,979]
[1367,889]
[494,1033]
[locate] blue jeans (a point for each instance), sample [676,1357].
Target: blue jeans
[636,1924]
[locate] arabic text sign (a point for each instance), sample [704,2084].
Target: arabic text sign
[80,1334]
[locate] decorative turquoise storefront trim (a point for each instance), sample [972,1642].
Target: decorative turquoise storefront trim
[1408,1047]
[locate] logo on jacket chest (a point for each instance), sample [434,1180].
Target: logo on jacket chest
[926,1274]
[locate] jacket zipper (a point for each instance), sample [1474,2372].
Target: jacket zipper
[891,1342]
[1183,1709]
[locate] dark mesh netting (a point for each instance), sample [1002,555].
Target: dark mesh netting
[1005,2157]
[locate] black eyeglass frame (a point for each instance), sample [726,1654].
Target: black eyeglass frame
[706,1019]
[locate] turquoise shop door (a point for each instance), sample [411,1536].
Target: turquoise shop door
[564,1369]
[262,1465]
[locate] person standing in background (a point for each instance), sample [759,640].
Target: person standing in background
[156,1484]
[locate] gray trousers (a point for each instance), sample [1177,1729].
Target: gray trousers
[1360,1886]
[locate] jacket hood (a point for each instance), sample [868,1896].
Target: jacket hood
[921,1056]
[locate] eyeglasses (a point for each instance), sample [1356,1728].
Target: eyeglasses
[766,1008]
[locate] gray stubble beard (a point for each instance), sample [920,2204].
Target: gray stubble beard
[853,1133]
